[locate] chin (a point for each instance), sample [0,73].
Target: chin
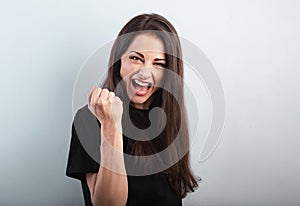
[139,100]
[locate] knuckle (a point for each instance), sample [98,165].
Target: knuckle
[119,100]
[99,103]
[105,90]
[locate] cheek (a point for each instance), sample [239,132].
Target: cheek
[158,78]
[124,70]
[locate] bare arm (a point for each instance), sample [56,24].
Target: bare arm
[109,186]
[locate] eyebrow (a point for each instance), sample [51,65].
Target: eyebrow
[156,59]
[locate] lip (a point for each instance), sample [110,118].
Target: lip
[142,91]
[142,81]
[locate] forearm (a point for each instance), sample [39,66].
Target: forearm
[111,187]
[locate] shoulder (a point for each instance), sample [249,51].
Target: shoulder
[84,154]
[87,130]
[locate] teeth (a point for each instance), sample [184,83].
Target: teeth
[142,84]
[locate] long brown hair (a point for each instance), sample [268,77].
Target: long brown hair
[179,175]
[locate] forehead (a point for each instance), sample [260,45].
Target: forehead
[147,43]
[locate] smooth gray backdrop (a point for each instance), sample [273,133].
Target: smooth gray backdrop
[254,46]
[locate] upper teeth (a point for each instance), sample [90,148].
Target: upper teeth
[143,84]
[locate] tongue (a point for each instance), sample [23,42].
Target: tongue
[141,90]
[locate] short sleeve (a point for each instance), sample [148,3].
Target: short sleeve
[80,161]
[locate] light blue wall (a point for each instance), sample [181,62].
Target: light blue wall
[254,46]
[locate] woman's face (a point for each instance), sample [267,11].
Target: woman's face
[142,68]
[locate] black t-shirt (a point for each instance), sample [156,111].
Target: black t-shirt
[152,190]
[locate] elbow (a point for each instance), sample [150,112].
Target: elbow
[110,196]
[98,202]
[108,201]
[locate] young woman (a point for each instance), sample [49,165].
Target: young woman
[146,48]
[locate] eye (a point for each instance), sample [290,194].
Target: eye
[135,58]
[160,64]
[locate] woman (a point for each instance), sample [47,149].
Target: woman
[146,50]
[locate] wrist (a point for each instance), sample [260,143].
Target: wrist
[111,126]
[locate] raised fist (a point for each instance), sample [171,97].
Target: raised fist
[106,107]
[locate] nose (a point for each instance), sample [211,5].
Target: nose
[144,73]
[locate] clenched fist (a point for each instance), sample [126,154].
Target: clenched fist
[106,107]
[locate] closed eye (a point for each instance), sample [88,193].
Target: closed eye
[160,64]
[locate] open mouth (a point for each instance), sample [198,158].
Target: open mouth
[140,87]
